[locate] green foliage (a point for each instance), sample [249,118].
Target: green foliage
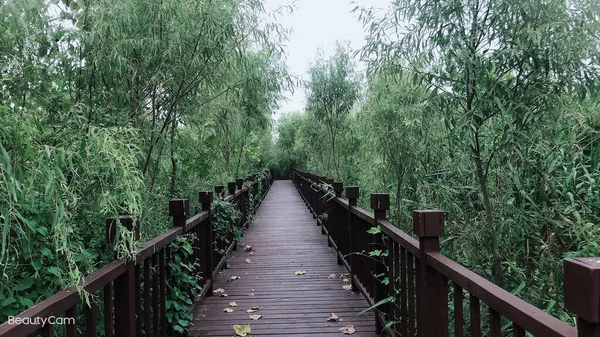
[487,110]
[185,286]
[332,91]
[225,225]
[114,107]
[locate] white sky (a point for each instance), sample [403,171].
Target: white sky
[318,24]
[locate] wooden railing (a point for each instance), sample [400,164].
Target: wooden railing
[134,293]
[428,294]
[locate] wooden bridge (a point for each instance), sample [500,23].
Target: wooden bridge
[309,262]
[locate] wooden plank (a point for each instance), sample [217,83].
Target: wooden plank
[285,240]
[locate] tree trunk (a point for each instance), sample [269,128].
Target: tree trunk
[489,215]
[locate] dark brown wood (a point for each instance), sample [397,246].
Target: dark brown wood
[147,303]
[514,309]
[138,300]
[162,275]
[582,293]
[91,320]
[518,331]
[458,311]
[475,316]
[125,303]
[155,297]
[380,203]
[48,330]
[412,318]
[154,245]
[179,209]
[206,239]
[432,295]
[285,241]
[71,314]
[403,289]
[108,310]
[352,192]
[495,327]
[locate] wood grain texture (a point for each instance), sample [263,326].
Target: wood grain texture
[285,240]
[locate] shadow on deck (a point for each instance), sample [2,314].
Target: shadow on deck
[286,240]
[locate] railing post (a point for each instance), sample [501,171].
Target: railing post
[335,228]
[582,293]
[380,203]
[328,208]
[313,196]
[352,193]
[124,285]
[219,190]
[432,287]
[179,209]
[231,188]
[206,241]
[239,182]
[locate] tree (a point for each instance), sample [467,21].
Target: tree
[509,61]
[333,89]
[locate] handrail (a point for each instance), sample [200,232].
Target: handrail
[121,281]
[418,275]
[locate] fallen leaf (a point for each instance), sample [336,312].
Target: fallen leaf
[251,311]
[348,330]
[228,310]
[300,272]
[333,317]
[218,291]
[242,329]
[255,307]
[255,317]
[347,287]
[251,253]
[248,248]
[222,295]
[251,294]
[332,276]
[248,261]
[232,304]
[346,280]
[233,278]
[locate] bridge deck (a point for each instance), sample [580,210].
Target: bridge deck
[286,240]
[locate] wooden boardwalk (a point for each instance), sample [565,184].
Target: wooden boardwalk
[286,240]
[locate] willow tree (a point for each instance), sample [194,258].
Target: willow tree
[492,64]
[333,89]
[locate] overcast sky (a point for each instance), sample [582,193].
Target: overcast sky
[318,24]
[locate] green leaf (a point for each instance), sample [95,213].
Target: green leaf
[24,284]
[374,230]
[26,302]
[8,301]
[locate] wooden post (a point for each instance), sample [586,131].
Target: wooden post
[219,190]
[313,196]
[231,187]
[179,209]
[328,207]
[582,293]
[432,288]
[239,182]
[380,203]
[352,193]
[124,285]
[206,241]
[336,228]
